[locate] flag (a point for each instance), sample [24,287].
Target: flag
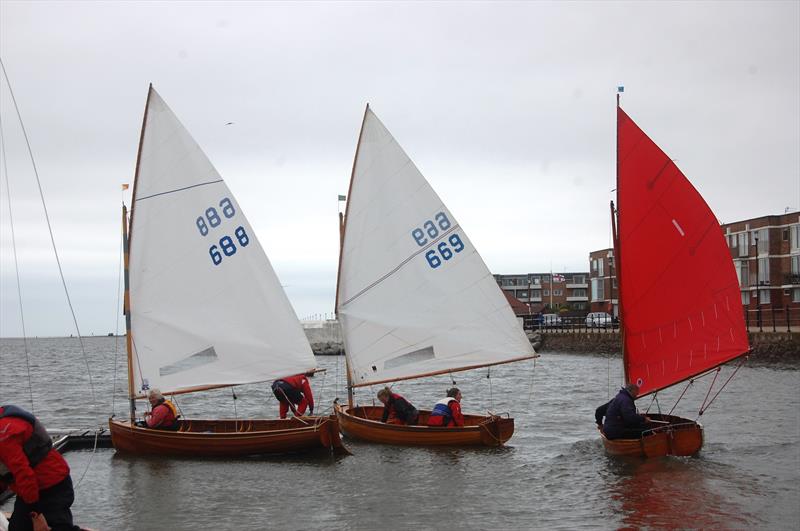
[342,198]
[558,278]
[124,186]
[620,89]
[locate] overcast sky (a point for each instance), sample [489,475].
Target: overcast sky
[506,108]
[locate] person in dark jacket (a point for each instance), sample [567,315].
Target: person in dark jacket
[396,409]
[294,392]
[36,472]
[621,419]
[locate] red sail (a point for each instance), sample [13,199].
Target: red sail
[679,294]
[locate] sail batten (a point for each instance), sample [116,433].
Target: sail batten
[207,309]
[678,286]
[414,297]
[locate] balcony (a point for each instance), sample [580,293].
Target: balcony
[578,286]
[584,298]
[791,278]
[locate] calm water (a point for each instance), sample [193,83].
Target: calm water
[553,474]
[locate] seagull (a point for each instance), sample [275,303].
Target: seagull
[229,123]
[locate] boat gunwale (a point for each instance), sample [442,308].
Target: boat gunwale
[416,427]
[237,435]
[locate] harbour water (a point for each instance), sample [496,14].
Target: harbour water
[552,475]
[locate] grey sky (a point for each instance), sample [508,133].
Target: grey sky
[506,108]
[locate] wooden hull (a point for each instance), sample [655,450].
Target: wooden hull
[680,437]
[363,422]
[205,438]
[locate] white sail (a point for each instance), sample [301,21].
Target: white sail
[206,306]
[414,296]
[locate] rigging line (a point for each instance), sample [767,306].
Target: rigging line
[52,238]
[530,390]
[175,190]
[710,387]
[723,385]
[691,382]
[116,317]
[401,264]
[651,403]
[16,266]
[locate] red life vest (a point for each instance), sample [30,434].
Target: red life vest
[442,415]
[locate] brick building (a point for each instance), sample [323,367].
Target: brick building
[766,255]
[546,292]
[603,279]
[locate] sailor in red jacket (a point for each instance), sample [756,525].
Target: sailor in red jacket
[294,392]
[447,412]
[36,472]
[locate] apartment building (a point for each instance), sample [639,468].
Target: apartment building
[603,279]
[766,255]
[549,292]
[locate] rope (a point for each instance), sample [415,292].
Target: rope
[116,326]
[16,268]
[58,260]
[716,373]
[691,382]
[489,377]
[651,403]
[702,410]
[235,413]
[530,389]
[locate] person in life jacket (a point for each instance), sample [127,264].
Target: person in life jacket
[396,409]
[447,412]
[163,414]
[294,392]
[36,472]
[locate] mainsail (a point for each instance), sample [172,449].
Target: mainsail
[206,306]
[681,307]
[414,296]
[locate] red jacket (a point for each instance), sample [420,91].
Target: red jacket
[300,382]
[28,482]
[161,416]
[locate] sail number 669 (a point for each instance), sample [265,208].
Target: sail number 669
[430,229]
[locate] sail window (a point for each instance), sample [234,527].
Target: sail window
[204,357]
[412,357]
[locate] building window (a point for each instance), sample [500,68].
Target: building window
[794,237]
[764,296]
[600,268]
[745,298]
[578,279]
[537,294]
[522,294]
[557,293]
[732,241]
[796,265]
[763,270]
[546,292]
[743,272]
[597,289]
[580,292]
[744,250]
[796,295]
[594,265]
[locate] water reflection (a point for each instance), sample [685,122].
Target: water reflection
[671,493]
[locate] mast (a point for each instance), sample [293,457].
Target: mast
[618,257]
[127,236]
[342,229]
[127,311]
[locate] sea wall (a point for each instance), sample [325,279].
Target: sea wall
[768,347]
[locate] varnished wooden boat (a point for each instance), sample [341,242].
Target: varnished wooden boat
[681,437]
[363,422]
[229,437]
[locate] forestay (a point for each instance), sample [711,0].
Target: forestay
[682,311]
[206,306]
[415,298]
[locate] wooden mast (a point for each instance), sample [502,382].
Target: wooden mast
[618,258]
[342,230]
[127,231]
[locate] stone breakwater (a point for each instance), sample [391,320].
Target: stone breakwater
[768,347]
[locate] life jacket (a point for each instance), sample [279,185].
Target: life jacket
[402,408]
[441,415]
[171,421]
[35,448]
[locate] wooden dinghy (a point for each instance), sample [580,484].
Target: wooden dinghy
[671,436]
[229,437]
[363,423]
[679,297]
[413,296]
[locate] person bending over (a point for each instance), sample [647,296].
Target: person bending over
[396,409]
[294,392]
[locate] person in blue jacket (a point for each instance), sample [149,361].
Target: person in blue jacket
[621,419]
